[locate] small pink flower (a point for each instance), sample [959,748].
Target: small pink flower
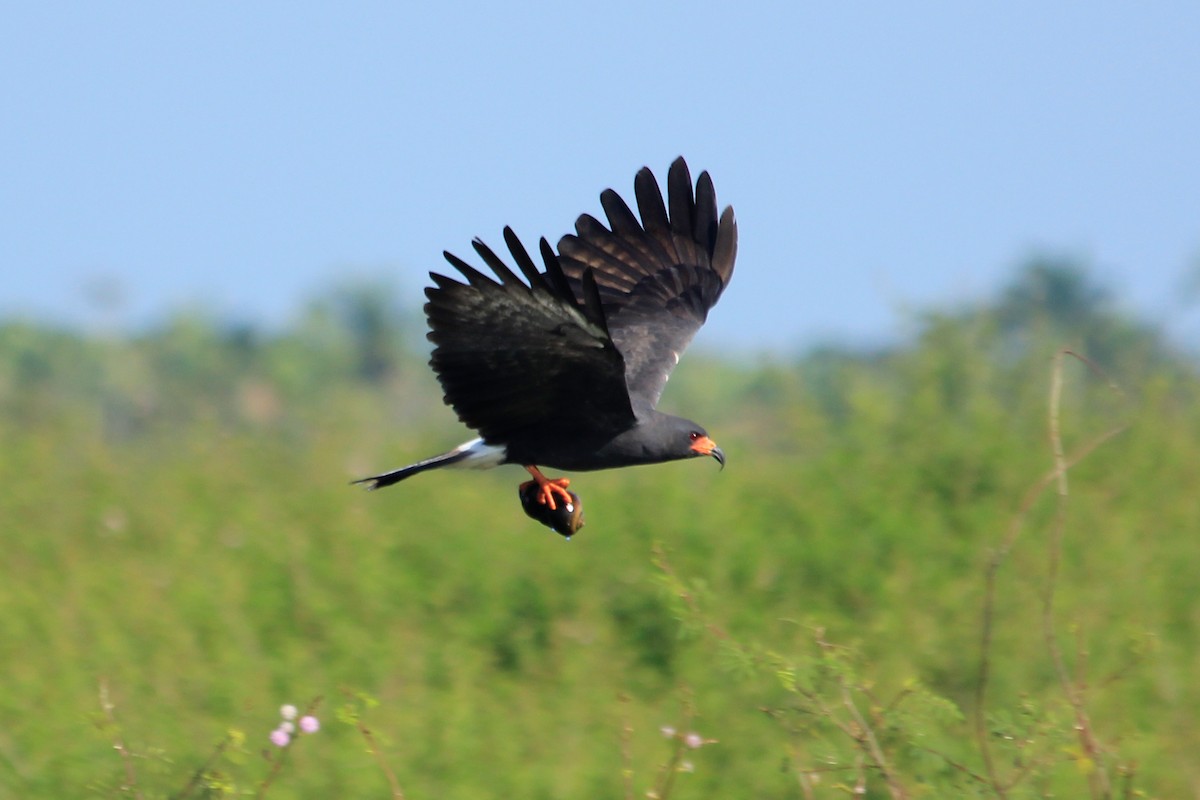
[693,740]
[288,712]
[309,724]
[280,737]
[287,727]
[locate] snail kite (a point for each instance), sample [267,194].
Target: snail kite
[565,368]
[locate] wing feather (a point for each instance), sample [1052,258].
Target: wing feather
[658,277]
[554,272]
[524,262]
[507,278]
[683,213]
[514,358]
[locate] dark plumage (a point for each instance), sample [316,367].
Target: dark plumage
[565,368]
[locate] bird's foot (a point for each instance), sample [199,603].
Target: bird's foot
[548,488]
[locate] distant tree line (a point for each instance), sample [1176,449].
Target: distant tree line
[361,336]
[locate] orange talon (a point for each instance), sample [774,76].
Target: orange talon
[549,487]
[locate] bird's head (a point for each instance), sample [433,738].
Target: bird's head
[699,444]
[657,438]
[688,440]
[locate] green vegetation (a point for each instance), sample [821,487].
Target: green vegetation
[182,555]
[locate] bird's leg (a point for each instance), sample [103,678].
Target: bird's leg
[548,487]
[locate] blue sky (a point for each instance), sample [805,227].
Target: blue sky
[882,158]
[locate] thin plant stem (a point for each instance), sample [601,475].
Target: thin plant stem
[276,767]
[203,768]
[864,734]
[626,747]
[1098,776]
[1055,476]
[109,709]
[666,775]
[373,749]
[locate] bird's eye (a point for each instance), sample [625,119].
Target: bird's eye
[693,436]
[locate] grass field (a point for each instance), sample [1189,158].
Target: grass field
[178,531]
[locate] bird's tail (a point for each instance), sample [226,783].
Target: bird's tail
[475,454]
[397,475]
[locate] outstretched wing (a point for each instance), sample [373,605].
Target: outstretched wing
[656,278]
[512,357]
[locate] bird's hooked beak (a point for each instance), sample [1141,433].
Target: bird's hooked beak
[705,446]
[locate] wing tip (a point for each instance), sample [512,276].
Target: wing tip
[724,250]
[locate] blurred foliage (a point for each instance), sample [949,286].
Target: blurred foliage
[176,523]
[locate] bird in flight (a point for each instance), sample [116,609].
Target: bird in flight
[565,369]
